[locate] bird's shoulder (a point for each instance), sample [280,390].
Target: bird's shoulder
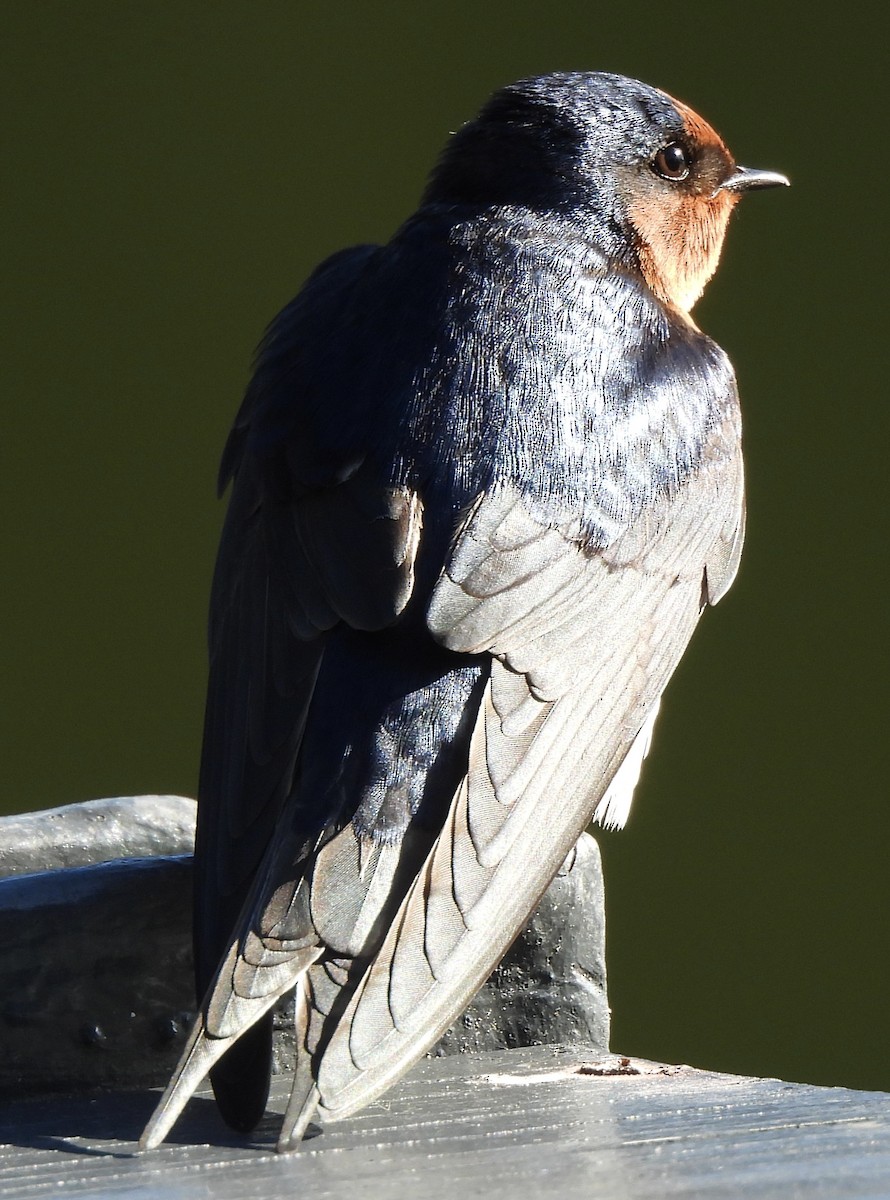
[286,388]
[485,348]
[563,376]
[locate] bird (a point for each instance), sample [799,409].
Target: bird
[484,480]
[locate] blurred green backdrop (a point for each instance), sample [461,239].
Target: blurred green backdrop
[172,174]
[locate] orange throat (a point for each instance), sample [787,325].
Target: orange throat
[680,244]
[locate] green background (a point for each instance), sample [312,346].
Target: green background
[172,172]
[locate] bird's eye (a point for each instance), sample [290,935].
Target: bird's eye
[672,161]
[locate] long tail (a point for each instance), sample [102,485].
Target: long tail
[203,1049]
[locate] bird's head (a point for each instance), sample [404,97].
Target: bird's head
[643,176]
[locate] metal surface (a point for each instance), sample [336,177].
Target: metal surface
[530,1123]
[96,983]
[79,835]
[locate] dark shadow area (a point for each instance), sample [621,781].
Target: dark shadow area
[61,1122]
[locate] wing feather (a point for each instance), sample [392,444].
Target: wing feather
[583,649]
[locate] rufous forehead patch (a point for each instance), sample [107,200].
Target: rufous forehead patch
[699,131]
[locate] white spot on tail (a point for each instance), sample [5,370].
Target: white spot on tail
[613,810]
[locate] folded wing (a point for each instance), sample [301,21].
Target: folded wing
[584,643]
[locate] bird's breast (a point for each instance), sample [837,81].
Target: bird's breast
[560,374]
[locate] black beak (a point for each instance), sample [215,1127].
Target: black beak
[743,179]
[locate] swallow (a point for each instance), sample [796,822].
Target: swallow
[484,480]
